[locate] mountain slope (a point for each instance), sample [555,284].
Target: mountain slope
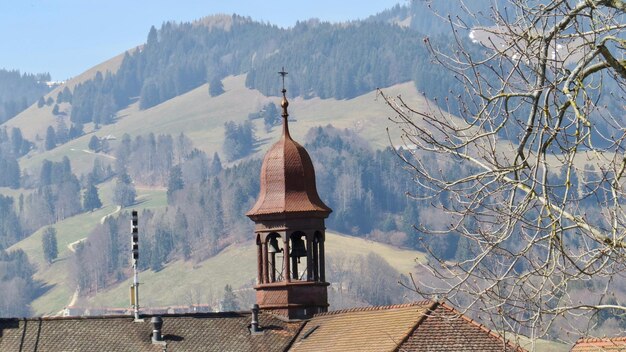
[202,118]
[236,266]
[34,120]
[18,91]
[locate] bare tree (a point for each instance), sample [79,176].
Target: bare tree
[537,122]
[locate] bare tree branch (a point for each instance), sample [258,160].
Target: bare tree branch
[528,166]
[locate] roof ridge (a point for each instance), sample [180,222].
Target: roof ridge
[409,332]
[373,308]
[601,339]
[482,327]
[126,316]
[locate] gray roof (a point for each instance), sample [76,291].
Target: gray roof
[189,332]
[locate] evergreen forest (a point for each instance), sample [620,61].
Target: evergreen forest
[330,61]
[19,91]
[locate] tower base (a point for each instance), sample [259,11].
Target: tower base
[293,300]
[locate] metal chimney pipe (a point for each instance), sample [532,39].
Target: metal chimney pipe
[254,327]
[157,325]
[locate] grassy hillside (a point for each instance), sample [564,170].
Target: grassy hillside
[202,118]
[34,121]
[76,150]
[236,265]
[58,288]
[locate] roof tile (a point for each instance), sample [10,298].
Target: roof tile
[361,329]
[190,332]
[592,344]
[445,329]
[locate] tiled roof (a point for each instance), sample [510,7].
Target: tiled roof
[189,332]
[361,329]
[445,329]
[420,326]
[597,345]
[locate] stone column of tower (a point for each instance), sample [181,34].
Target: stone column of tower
[289,226]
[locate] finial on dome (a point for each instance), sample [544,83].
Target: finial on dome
[284,103]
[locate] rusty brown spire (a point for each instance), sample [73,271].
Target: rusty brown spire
[284,104]
[288,178]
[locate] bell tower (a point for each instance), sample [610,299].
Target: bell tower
[289,226]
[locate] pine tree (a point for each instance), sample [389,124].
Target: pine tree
[94,143]
[155,261]
[76,130]
[61,132]
[10,176]
[239,139]
[152,37]
[216,87]
[175,182]
[51,139]
[216,165]
[149,95]
[124,193]
[64,96]
[9,223]
[91,200]
[271,116]
[230,302]
[17,141]
[49,244]
[182,233]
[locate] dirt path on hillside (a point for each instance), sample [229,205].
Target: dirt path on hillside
[70,304]
[72,246]
[119,207]
[94,153]
[150,188]
[74,298]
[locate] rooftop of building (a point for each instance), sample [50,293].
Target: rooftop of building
[419,326]
[593,344]
[181,332]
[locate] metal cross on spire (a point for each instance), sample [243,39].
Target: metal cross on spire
[284,104]
[283,73]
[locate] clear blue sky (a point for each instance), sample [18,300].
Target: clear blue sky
[66,37]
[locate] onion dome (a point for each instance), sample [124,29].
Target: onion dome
[287,179]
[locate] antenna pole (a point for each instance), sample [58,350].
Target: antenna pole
[134,290]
